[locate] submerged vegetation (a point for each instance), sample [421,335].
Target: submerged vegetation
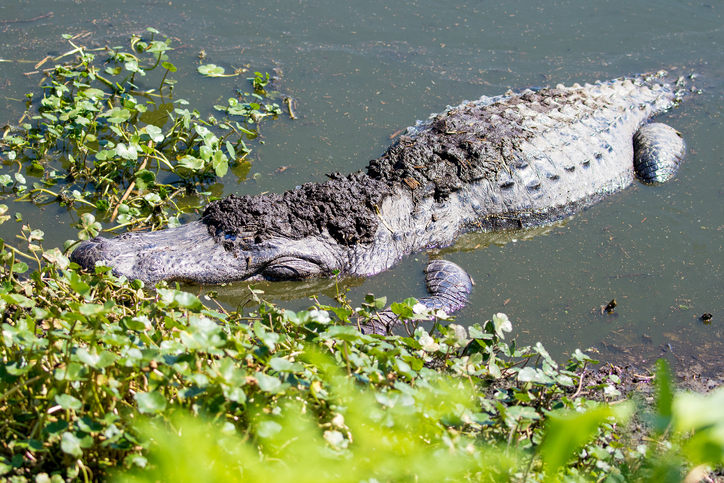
[101,378]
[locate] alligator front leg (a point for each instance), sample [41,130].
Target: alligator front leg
[449,287]
[658,151]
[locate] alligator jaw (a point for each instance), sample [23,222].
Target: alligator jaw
[186,253]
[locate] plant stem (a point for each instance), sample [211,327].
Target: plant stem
[18,387]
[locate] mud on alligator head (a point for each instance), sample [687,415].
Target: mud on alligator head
[505,162]
[307,232]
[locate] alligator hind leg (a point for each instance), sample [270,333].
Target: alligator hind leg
[658,151]
[449,287]
[448,284]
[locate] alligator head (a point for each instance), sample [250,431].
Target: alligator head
[189,253]
[300,234]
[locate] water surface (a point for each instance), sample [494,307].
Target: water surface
[361,71]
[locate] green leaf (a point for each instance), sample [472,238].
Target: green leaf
[695,411]
[92,93]
[375,303]
[476,332]
[566,434]
[267,429]
[132,66]
[18,299]
[169,66]
[230,149]
[664,396]
[92,309]
[388,399]
[150,402]
[530,374]
[95,360]
[158,47]
[56,257]
[211,70]
[145,179]
[89,227]
[70,444]
[66,401]
[20,267]
[40,314]
[404,311]
[74,372]
[5,468]
[16,368]
[538,348]
[268,384]
[192,163]
[127,152]
[155,133]
[493,369]
[78,285]
[220,163]
[188,300]
[152,198]
[284,365]
[118,115]
[205,153]
[345,332]
[502,325]
[703,418]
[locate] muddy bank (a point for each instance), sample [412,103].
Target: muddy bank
[640,380]
[690,356]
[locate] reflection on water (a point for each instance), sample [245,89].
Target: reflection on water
[474,241]
[239,294]
[361,71]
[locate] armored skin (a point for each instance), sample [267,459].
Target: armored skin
[506,162]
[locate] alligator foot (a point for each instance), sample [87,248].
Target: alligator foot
[658,151]
[449,286]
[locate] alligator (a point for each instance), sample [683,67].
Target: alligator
[497,163]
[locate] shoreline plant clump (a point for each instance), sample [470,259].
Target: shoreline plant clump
[101,378]
[99,143]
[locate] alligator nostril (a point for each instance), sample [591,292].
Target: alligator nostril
[95,241]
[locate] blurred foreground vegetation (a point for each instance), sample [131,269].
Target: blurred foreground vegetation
[101,378]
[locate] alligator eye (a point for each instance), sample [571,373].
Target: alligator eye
[290,268]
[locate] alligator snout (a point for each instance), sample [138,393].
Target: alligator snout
[91,251]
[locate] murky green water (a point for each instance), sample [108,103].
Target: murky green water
[360,71]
